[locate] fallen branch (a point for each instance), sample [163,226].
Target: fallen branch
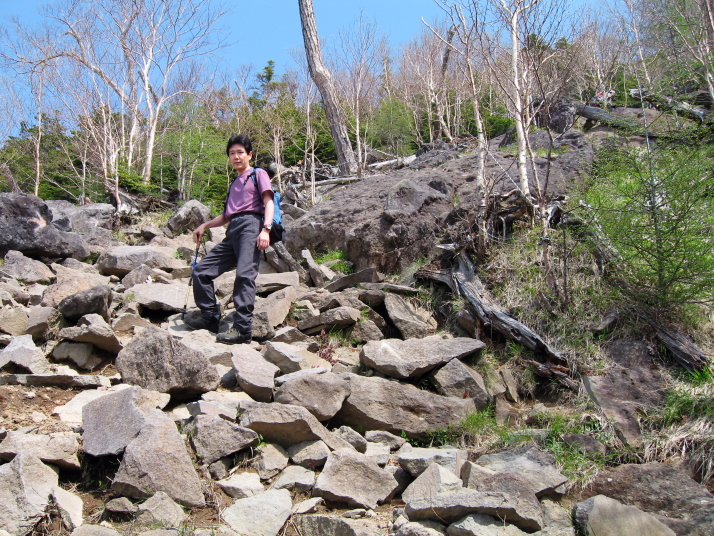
[492,315]
[685,352]
[682,108]
[601,116]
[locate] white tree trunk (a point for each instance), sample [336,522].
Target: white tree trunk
[323,80]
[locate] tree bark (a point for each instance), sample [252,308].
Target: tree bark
[323,80]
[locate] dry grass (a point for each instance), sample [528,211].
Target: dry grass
[565,313]
[684,428]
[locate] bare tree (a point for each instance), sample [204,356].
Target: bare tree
[142,51]
[466,27]
[361,51]
[323,80]
[425,83]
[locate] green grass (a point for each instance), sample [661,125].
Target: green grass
[342,264]
[333,255]
[684,425]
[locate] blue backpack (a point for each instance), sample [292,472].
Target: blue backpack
[276,231]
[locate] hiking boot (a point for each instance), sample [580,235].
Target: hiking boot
[198,322]
[233,336]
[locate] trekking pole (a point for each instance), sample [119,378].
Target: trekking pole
[190,282]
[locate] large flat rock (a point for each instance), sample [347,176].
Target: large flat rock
[26,485]
[380,404]
[413,358]
[450,507]
[157,460]
[287,425]
[352,478]
[121,260]
[160,362]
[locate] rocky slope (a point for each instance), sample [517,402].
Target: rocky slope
[117,418]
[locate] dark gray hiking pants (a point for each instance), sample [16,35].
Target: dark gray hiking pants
[239,249]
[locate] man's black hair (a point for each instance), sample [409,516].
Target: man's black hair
[240,139]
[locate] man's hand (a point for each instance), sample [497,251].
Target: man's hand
[263,239]
[198,233]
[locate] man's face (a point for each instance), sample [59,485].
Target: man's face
[240,159]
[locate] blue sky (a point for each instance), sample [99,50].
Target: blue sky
[269,29]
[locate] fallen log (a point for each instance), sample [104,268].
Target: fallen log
[601,116]
[682,108]
[492,315]
[462,280]
[685,352]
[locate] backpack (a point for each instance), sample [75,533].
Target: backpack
[276,231]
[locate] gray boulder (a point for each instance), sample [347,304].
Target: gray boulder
[321,394]
[333,318]
[95,300]
[113,420]
[241,485]
[352,478]
[59,448]
[415,357]
[80,353]
[353,438]
[263,514]
[451,507]
[162,297]
[141,274]
[155,360]
[93,328]
[365,275]
[432,481]
[322,525]
[536,465]
[13,320]
[287,425]
[663,490]
[69,506]
[213,438]
[23,353]
[41,320]
[457,380]
[254,374]
[380,404]
[121,260]
[94,530]
[272,311]
[417,460]
[160,509]
[366,331]
[192,214]
[410,324]
[380,436]
[483,525]
[26,226]
[69,281]
[295,478]
[603,516]
[273,282]
[157,460]
[27,270]
[518,487]
[309,454]
[26,485]
[289,358]
[67,216]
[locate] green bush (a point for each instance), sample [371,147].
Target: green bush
[655,212]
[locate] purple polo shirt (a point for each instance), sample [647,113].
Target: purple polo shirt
[242,196]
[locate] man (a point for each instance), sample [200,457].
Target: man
[249,204]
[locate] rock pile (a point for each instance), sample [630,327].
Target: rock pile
[287,429]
